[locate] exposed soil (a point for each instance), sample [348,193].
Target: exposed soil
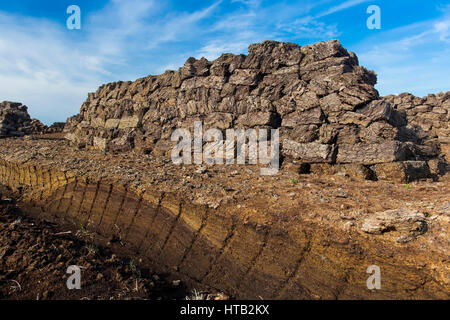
[229,229]
[34,256]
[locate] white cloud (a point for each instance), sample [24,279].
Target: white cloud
[249,3]
[412,58]
[214,49]
[182,25]
[38,66]
[279,21]
[443,29]
[51,69]
[343,6]
[309,27]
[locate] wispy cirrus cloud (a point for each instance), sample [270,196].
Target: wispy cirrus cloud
[309,27]
[233,32]
[178,26]
[412,58]
[342,6]
[51,69]
[40,66]
[443,30]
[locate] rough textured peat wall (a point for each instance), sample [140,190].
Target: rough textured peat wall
[321,99]
[215,248]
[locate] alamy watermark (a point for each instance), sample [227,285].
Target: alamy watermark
[74,20]
[211,148]
[374,20]
[74,281]
[374,281]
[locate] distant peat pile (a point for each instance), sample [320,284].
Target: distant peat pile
[16,122]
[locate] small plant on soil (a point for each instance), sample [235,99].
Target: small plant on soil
[134,269]
[92,248]
[83,229]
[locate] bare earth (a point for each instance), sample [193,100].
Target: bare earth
[284,236]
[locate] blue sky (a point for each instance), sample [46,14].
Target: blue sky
[51,69]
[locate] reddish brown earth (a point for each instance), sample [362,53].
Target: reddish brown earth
[228,229]
[35,256]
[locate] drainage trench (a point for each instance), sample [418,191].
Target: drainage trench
[206,248]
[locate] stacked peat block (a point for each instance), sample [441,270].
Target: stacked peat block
[329,114]
[16,122]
